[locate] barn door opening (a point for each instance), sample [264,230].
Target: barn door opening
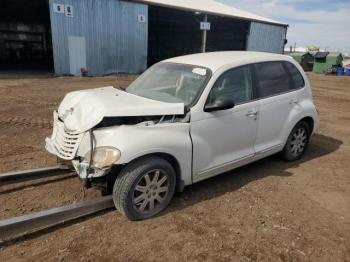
[173,32]
[25,36]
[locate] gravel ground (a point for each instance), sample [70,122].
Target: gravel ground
[266,211]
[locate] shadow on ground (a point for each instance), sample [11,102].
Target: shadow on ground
[319,146]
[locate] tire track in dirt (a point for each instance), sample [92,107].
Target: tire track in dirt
[26,122]
[25,100]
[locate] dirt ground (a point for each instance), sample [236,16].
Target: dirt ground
[266,211]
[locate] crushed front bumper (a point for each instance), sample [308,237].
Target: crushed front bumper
[62,142]
[84,171]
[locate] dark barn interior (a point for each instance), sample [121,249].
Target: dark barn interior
[25,35]
[175,33]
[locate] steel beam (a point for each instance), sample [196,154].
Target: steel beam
[32,174]
[19,226]
[204,36]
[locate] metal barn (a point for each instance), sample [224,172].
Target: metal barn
[100,37]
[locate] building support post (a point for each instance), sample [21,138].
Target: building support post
[204,36]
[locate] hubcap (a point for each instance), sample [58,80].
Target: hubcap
[298,142]
[151,190]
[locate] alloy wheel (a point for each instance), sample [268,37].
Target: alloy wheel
[298,142]
[150,191]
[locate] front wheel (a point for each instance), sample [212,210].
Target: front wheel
[297,142]
[144,188]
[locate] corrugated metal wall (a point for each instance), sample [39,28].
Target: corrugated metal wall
[115,40]
[266,38]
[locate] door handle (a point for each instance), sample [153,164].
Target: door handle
[252,113]
[294,101]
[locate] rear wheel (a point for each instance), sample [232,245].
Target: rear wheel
[297,142]
[144,188]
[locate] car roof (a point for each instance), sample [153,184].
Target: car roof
[216,60]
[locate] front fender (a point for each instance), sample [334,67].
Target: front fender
[135,141]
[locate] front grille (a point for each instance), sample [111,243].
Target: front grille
[65,143]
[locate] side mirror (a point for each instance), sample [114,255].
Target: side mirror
[220,103]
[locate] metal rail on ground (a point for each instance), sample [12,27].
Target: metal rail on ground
[18,226]
[32,174]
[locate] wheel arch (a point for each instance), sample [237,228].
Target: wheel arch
[310,121]
[288,129]
[176,165]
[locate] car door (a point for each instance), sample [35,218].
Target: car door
[225,139]
[277,96]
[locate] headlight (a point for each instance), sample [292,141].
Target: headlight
[103,157]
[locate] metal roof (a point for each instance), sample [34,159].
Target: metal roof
[210,7]
[215,60]
[321,54]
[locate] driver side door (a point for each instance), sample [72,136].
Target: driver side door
[225,139]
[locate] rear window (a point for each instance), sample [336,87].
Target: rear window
[297,78]
[272,79]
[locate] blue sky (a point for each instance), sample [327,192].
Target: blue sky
[325,23]
[310,5]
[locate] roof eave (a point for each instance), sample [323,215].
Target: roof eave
[209,13]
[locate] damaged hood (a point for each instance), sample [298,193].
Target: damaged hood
[83,110]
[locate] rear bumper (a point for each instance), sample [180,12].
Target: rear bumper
[316,121]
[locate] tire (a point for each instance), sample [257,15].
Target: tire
[297,142]
[143,182]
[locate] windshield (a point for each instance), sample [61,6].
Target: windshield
[171,82]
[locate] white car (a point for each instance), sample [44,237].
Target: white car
[184,120]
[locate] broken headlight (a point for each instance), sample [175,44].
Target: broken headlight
[103,157]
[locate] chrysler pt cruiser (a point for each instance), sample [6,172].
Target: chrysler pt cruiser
[184,120]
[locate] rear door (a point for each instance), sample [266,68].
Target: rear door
[276,91]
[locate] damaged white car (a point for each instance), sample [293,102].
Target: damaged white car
[184,120]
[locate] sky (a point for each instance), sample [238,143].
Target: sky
[324,23]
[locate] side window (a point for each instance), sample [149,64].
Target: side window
[235,83]
[272,79]
[297,78]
